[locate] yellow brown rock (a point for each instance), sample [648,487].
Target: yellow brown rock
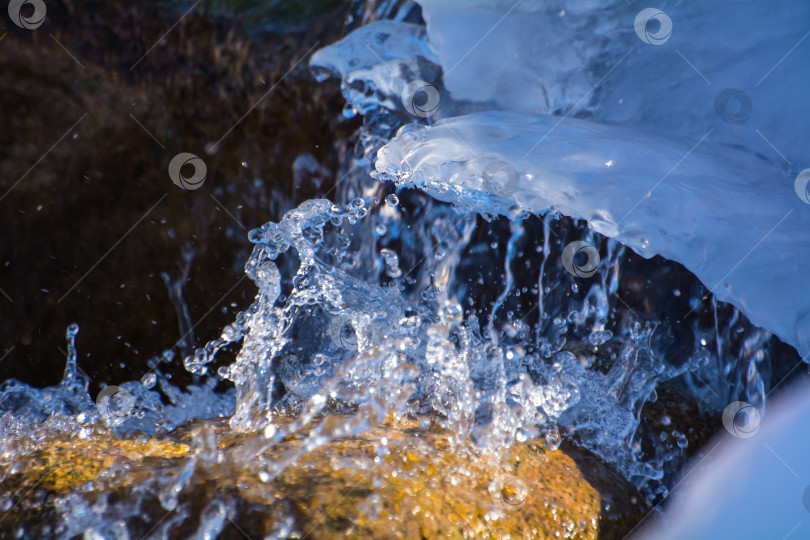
[394,481]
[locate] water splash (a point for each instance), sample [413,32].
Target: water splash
[543,364]
[398,307]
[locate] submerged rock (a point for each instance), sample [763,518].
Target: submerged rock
[395,481]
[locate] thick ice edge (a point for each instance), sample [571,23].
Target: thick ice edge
[669,160]
[733,222]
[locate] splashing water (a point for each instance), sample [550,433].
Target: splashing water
[399,307]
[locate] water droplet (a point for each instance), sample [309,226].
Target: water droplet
[349,111]
[149,380]
[392,200]
[391,260]
[599,337]
[452,312]
[553,438]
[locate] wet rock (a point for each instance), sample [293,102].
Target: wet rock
[394,481]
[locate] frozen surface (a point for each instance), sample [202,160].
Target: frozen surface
[584,58]
[667,161]
[375,63]
[748,488]
[721,212]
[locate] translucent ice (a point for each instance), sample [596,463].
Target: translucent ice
[689,149]
[717,210]
[375,62]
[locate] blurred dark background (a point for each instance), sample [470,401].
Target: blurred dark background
[95,103]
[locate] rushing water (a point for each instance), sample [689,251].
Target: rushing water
[383,302]
[401,307]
